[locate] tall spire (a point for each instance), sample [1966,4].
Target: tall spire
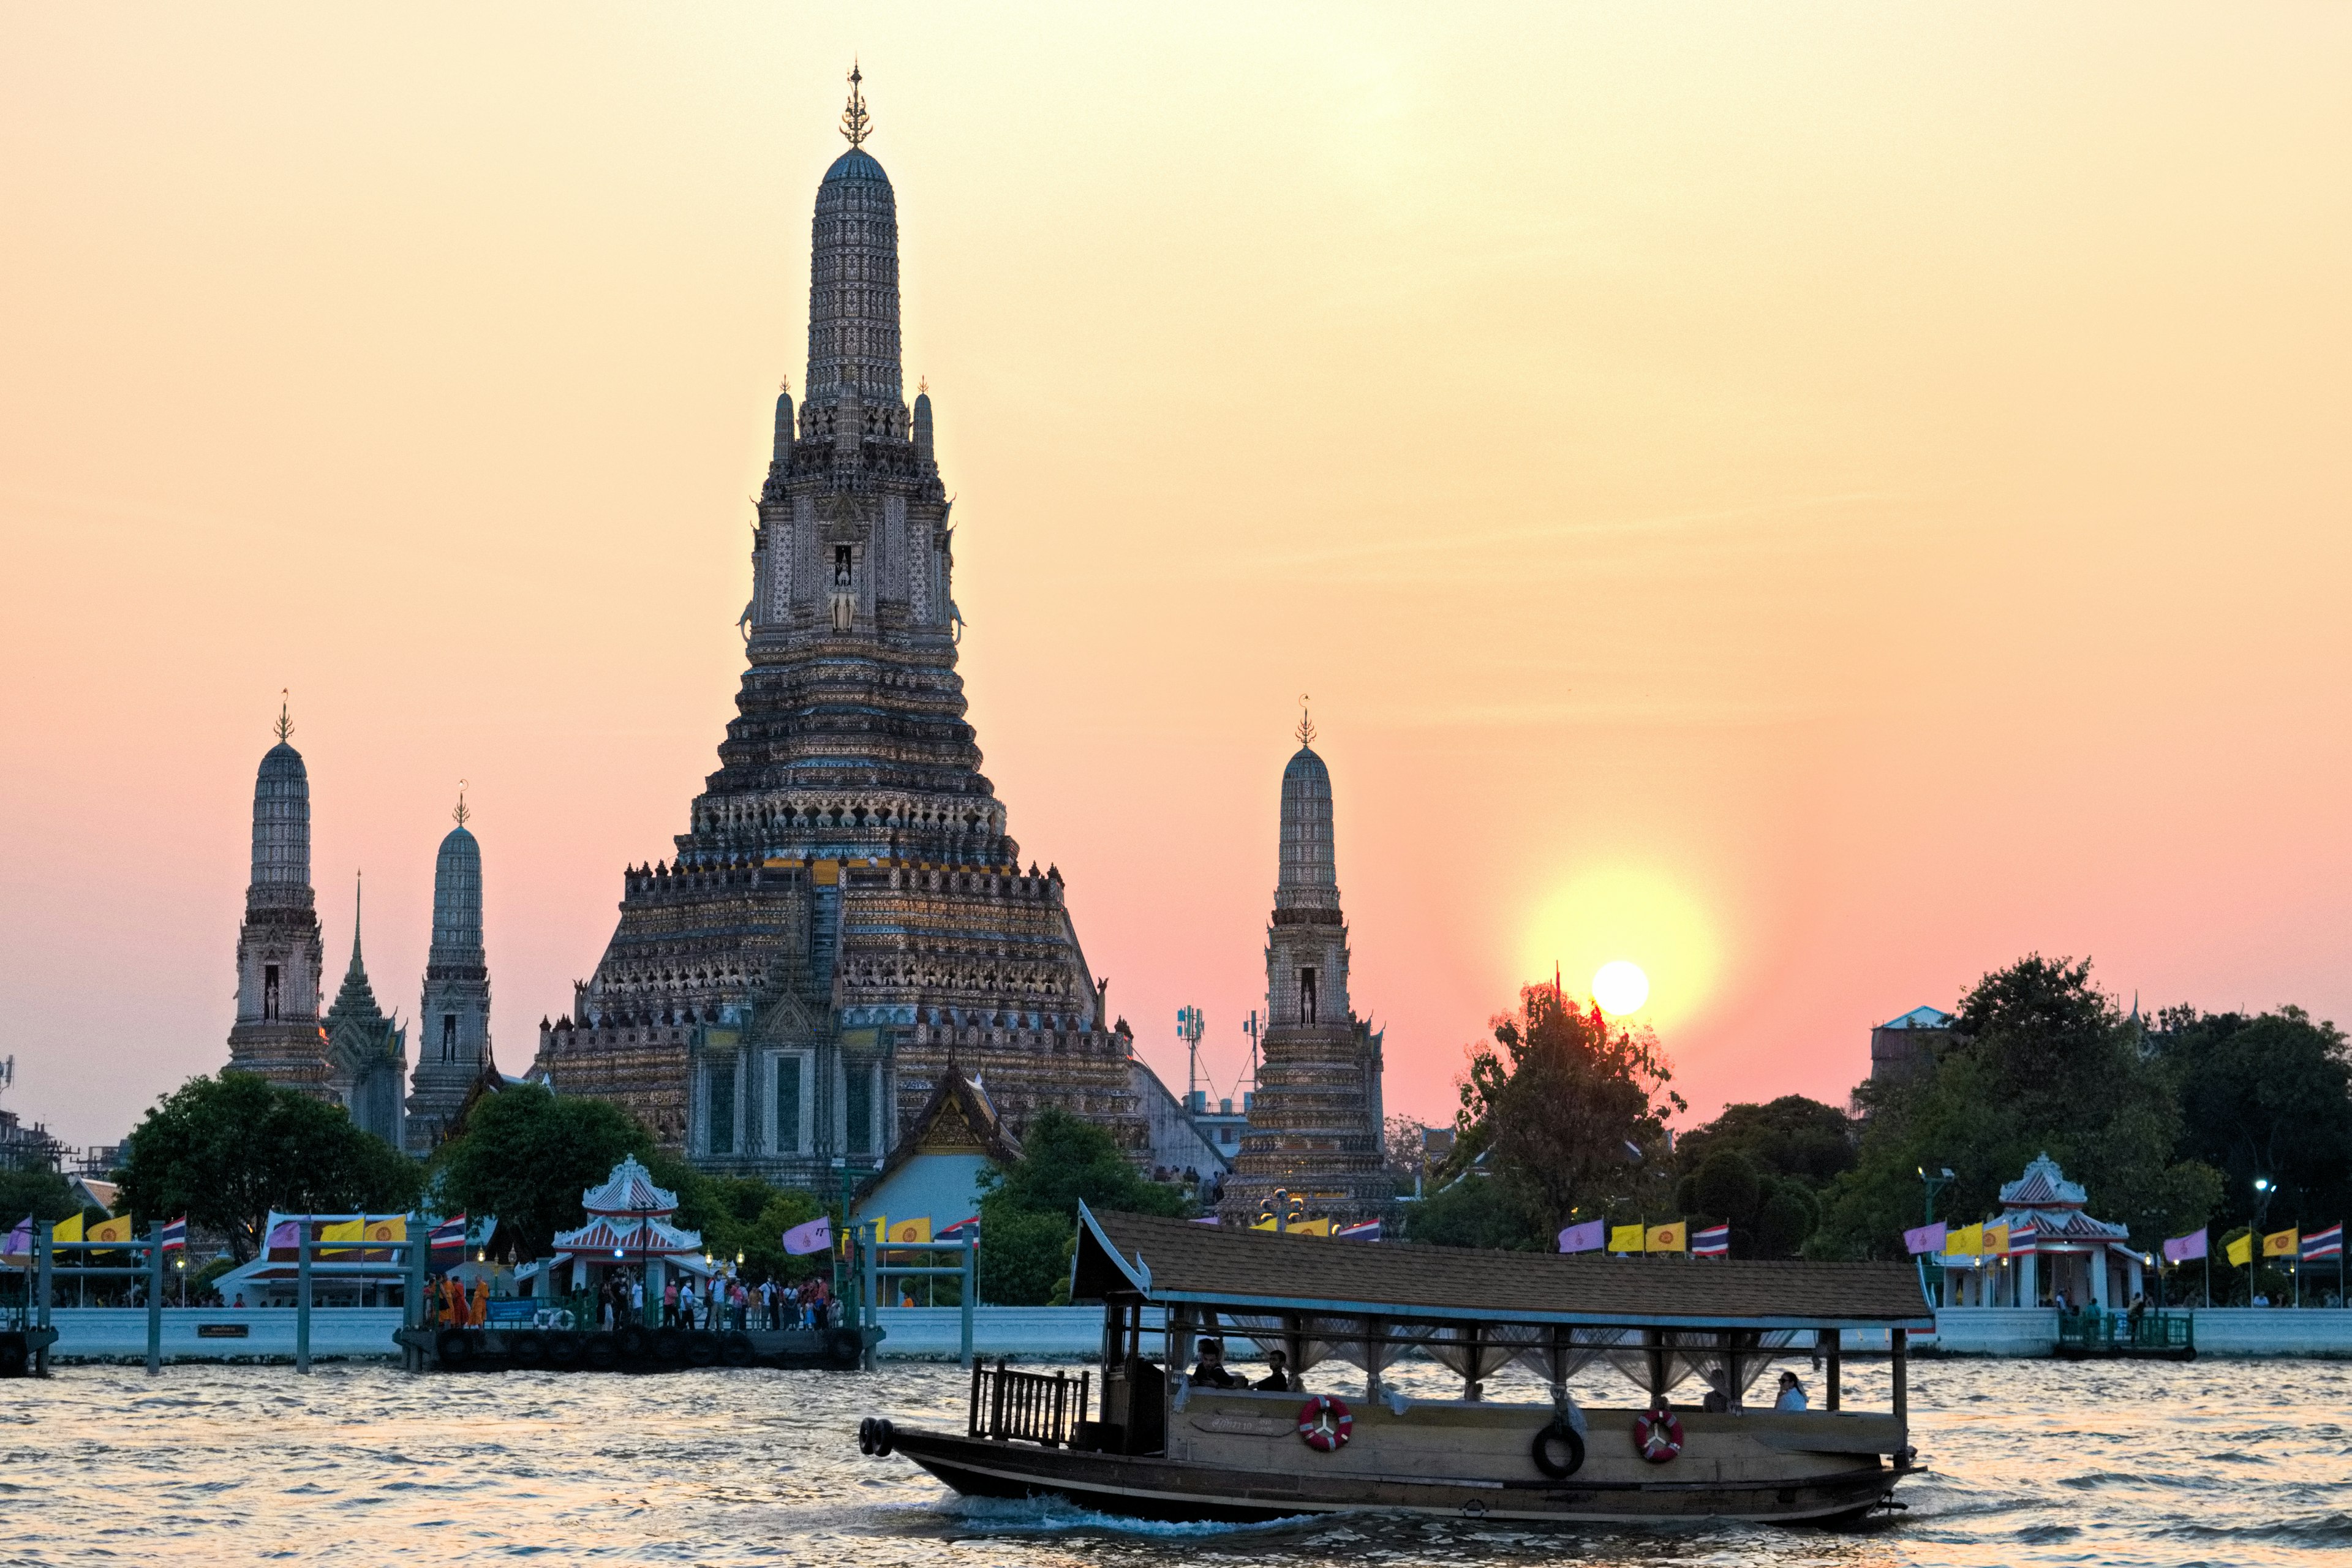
[285,714]
[461,814]
[1306,724]
[853,119]
[359,886]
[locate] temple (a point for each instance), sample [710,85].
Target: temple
[1315,1129]
[367,1053]
[846,913]
[453,1048]
[279,958]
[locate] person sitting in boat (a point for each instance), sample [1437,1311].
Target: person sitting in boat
[1719,1395]
[1792,1393]
[1277,1378]
[1210,1371]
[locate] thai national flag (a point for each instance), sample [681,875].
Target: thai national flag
[1713,1243]
[1368,1231]
[2022,1239]
[2328,1243]
[449,1233]
[961,1229]
[175,1235]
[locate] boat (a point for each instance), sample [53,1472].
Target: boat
[1139,1437]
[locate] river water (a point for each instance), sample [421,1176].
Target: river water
[2215,1462]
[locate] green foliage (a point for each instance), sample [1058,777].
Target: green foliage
[43,1194]
[1570,1112]
[1029,1212]
[1728,1185]
[2041,1062]
[742,1217]
[1792,1136]
[1770,1216]
[526,1156]
[1478,1210]
[225,1151]
[2266,1095]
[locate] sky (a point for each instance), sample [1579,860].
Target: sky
[1816,502]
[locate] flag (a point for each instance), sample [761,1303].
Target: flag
[1927,1237]
[1714,1242]
[1965,1242]
[912,1230]
[115,1230]
[2240,1252]
[816,1236]
[968,1229]
[66,1229]
[1265,1223]
[1590,1236]
[1996,1241]
[1311,1228]
[1624,1239]
[2023,1239]
[1206,1219]
[346,1230]
[20,1240]
[2280,1244]
[2328,1243]
[1668,1238]
[175,1235]
[2184,1248]
[450,1233]
[1370,1230]
[395,1229]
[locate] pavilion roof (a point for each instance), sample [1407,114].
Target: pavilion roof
[644,1237]
[629,1190]
[1175,1260]
[2044,1186]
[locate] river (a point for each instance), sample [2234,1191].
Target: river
[2216,1462]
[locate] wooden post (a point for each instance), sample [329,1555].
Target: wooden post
[301,1299]
[44,1257]
[970,1296]
[1901,1338]
[1832,1343]
[1375,1332]
[154,1297]
[996,1405]
[1653,1341]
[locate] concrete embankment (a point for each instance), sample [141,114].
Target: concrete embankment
[2314,1331]
[364,1333]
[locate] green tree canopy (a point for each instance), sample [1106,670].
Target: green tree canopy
[1478,1209]
[1568,1112]
[1760,1168]
[42,1195]
[2265,1096]
[225,1151]
[1029,1210]
[2041,1061]
[526,1154]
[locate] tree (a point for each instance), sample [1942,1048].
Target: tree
[225,1151]
[526,1156]
[2042,1061]
[41,1193]
[2267,1096]
[1761,1168]
[1479,1210]
[742,1217]
[1569,1111]
[1401,1146]
[1029,1210]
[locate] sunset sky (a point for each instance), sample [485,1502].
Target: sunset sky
[1816,502]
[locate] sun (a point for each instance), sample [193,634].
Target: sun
[1620,987]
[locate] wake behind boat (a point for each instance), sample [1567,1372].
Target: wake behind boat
[1162,1443]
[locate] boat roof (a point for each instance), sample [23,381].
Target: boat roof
[1176,1260]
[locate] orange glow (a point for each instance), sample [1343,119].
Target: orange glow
[1817,502]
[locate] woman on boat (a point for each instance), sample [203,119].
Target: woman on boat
[1792,1393]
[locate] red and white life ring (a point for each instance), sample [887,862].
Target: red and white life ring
[1657,1435]
[1325,1423]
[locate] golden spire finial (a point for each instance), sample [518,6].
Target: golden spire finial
[853,119]
[923,386]
[285,719]
[1306,724]
[460,815]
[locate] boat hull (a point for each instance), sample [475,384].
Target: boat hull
[1150,1487]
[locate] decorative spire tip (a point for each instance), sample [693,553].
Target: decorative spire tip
[1306,724]
[854,124]
[285,719]
[462,813]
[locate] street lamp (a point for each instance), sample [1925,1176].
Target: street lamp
[2263,1191]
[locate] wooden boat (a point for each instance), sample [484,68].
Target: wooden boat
[1157,1445]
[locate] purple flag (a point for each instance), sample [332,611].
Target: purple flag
[20,1240]
[2181,1248]
[814,1236]
[1927,1238]
[1590,1236]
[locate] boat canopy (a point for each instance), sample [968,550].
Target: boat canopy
[1174,1261]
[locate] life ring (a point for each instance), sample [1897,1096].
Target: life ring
[1570,1444]
[1657,1435]
[1325,1423]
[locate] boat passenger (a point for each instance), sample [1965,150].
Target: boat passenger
[1792,1393]
[1277,1378]
[1210,1371]
[1718,1396]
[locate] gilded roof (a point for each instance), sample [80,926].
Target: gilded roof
[1245,1270]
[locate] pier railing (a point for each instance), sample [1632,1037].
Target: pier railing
[1025,1406]
[2103,1333]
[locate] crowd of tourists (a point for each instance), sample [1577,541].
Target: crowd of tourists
[721,1303]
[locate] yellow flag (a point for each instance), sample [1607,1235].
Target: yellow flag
[912,1229]
[1265,1223]
[1624,1239]
[66,1229]
[1311,1228]
[1965,1242]
[387,1230]
[2282,1243]
[1667,1238]
[349,1230]
[115,1230]
[1996,1241]
[2242,1252]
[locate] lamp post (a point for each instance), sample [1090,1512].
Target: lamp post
[2263,1191]
[1934,1184]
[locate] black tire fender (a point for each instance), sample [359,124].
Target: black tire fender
[737,1350]
[563,1350]
[848,1346]
[885,1435]
[452,1348]
[670,1346]
[603,1351]
[702,1349]
[1563,1437]
[634,1341]
[866,1435]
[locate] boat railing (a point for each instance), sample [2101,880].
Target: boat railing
[1026,1407]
